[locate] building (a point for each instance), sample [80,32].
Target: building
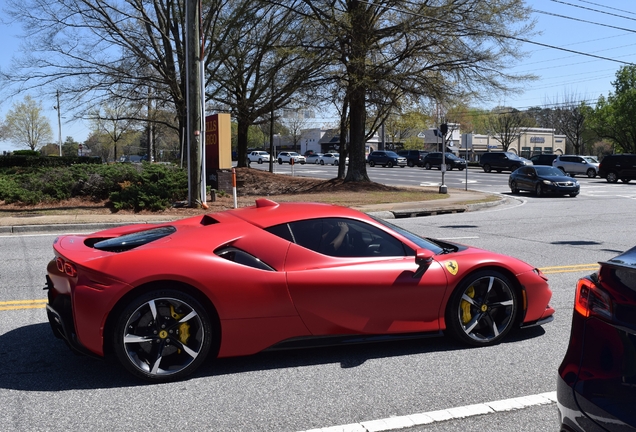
[530,142]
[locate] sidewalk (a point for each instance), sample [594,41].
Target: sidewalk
[459,201]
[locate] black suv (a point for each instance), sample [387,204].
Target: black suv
[386,159]
[413,157]
[618,167]
[502,161]
[543,159]
[434,159]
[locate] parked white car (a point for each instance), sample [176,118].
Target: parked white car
[314,158]
[258,156]
[289,156]
[331,158]
[576,164]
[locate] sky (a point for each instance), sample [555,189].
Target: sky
[578,47]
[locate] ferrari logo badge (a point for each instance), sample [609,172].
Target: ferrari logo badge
[452,267]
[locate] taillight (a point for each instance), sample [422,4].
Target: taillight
[591,300]
[65,267]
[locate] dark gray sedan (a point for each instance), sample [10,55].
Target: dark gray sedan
[543,180]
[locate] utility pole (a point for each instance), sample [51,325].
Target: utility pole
[193,102]
[59,122]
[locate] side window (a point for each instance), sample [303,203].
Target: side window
[341,237]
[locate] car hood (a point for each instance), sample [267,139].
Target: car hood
[558,179]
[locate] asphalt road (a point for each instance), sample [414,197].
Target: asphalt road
[43,386]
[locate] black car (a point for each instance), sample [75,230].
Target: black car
[502,161]
[596,384]
[413,157]
[618,167]
[434,160]
[543,180]
[386,159]
[543,159]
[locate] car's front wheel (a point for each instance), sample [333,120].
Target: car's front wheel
[539,190]
[371,164]
[280,161]
[513,187]
[483,308]
[427,166]
[612,177]
[260,161]
[389,164]
[163,335]
[487,168]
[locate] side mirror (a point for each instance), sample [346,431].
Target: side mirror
[423,259]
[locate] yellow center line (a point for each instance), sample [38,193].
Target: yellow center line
[22,304]
[570,269]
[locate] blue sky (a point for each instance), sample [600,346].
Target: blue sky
[579,26]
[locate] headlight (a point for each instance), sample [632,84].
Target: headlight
[547,182]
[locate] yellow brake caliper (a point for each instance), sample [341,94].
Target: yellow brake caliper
[466,315]
[184,328]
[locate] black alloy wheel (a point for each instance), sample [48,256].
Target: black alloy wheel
[513,187]
[163,335]
[612,177]
[371,164]
[389,164]
[591,173]
[483,309]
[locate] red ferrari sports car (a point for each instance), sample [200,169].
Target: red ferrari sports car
[162,298]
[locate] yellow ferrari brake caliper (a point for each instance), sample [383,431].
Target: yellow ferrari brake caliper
[184,328]
[466,316]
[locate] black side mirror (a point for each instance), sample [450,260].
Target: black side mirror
[423,259]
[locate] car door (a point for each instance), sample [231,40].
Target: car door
[370,291]
[526,178]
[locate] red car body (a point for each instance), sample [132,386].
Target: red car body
[286,293]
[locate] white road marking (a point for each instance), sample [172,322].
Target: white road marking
[401,422]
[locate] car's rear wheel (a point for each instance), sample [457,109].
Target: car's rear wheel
[487,168]
[427,166]
[371,163]
[513,187]
[591,173]
[625,180]
[336,162]
[483,308]
[389,164]
[260,161]
[163,335]
[612,177]
[410,164]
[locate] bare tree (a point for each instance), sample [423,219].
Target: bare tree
[385,51]
[506,124]
[115,118]
[570,117]
[26,126]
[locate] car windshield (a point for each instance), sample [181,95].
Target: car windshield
[294,154]
[391,154]
[512,156]
[548,171]
[419,241]
[590,159]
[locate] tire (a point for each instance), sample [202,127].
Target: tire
[513,187]
[539,190]
[427,166]
[612,177]
[573,195]
[280,161]
[483,309]
[487,168]
[163,335]
[336,162]
[371,164]
[591,173]
[389,164]
[260,161]
[322,162]
[410,164]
